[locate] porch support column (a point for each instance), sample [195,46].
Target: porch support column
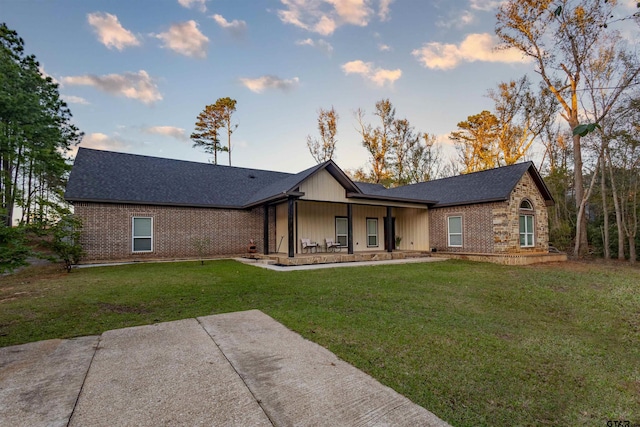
[388,228]
[291,241]
[266,230]
[349,228]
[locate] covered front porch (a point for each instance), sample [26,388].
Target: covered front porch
[362,231]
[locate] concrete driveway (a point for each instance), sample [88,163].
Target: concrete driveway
[236,369]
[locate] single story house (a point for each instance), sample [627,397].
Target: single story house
[136,207]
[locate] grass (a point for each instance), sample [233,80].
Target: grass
[477,344]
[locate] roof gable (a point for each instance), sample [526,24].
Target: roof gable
[291,184]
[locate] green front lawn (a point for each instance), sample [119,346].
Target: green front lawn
[477,344]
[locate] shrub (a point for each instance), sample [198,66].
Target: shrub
[66,241]
[13,248]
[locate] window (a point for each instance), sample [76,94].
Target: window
[526,224]
[372,232]
[526,231]
[142,234]
[526,205]
[342,231]
[455,231]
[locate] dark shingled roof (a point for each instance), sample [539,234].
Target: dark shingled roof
[370,188]
[104,176]
[478,187]
[281,187]
[117,177]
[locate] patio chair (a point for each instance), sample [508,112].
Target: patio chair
[308,246]
[332,246]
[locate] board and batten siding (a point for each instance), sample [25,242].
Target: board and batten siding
[282,241]
[413,226]
[323,186]
[360,215]
[316,220]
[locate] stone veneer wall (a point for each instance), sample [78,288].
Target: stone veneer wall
[506,219]
[106,231]
[493,227]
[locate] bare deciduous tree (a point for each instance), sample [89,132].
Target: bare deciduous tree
[323,149]
[563,37]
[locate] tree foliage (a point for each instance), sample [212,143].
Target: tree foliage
[323,149]
[66,241]
[476,142]
[377,140]
[35,134]
[13,248]
[208,124]
[226,107]
[522,116]
[504,136]
[564,40]
[398,153]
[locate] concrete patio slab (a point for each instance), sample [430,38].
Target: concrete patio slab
[164,374]
[40,381]
[301,383]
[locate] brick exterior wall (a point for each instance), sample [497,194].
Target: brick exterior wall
[177,231]
[477,229]
[493,227]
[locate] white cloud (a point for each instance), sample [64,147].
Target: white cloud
[305,42]
[190,4]
[320,44]
[139,86]
[444,139]
[172,131]
[99,141]
[186,39]
[258,85]
[236,28]
[72,99]
[379,76]
[110,32]
[354,12]
[384,9]
[384,47]
[324,16]
[475,47]
[325,26]
[457,19]
[485,5]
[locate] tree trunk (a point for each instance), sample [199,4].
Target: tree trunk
[605,210]
[632,248]
[579,248]
[616,205]
[582,242]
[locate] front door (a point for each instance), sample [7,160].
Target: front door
[393,233]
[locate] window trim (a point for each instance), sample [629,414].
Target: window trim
[449,234]
[369,235]
[527,232]
[134,237]
[346,219]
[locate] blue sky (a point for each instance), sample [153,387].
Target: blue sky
[137,73]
